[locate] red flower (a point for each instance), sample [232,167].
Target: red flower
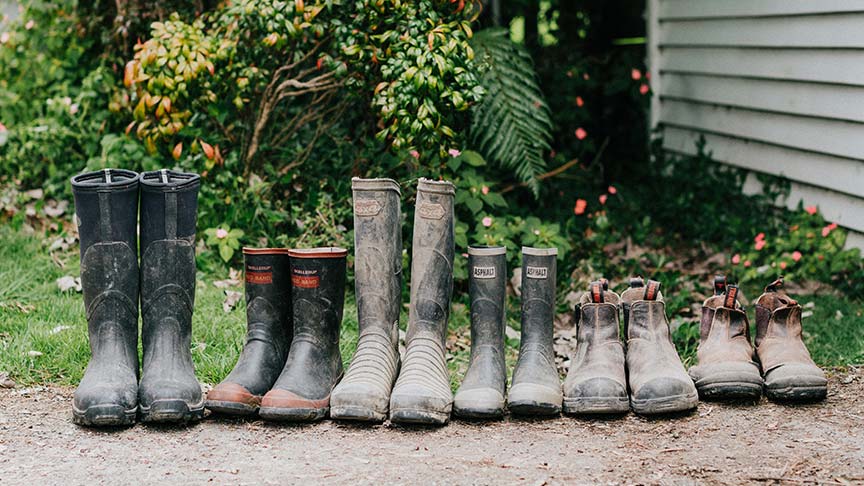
[644,88]
[579,209]
[581,133]
[796,255]
[579,101]
[783,265]
[602,198]
[828,229]
[811,210]
[635,74]
[759,237]
[612,190]
[747,264]
[736,259]
[759,245]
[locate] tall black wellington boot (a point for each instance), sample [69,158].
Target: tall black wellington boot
[536,388]
[364,393]
[169,391]
[481,394]
[268,335]
[314,364]
[422,393]
[106,209]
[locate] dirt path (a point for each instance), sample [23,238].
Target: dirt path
[735,444]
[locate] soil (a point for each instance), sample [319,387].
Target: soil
[764,443]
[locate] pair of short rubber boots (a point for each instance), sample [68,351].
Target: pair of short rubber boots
[107,214]
[290,361]
[729,365]
[601,372]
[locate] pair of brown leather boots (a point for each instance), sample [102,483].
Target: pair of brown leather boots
[729,365]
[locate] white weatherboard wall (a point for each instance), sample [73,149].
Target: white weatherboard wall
[774,86]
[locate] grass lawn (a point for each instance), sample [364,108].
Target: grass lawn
[43,332]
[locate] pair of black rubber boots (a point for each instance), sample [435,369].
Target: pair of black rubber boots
[107,212]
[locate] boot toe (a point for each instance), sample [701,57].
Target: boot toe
[534,399]
[479,403]
[420,405]
[233,399]
[285,405]
[727,380]
[796,382]
[598,388]
[105,405]
[358,401]
[170,401]
[664,395]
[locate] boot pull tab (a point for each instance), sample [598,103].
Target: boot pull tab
[652,290]
[107,176]
[596,289]
[775,285]
[731,297]
[719,284]
[164,176]
[636,282]
[605,283]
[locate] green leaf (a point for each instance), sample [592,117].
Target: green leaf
[474,204]
[226,252]
[472,158]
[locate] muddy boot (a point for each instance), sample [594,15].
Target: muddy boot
[268,335]
[106,210]
[364,393]
[596,383]
[422,393]
[790,373]
[314,364]
[657,379]
[536,388]
[726,368]
[481,394]
[169,391]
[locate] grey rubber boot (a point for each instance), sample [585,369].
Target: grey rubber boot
[481,394]
[169,391]
[657,379]
[314,364]
[597,382]
[790,373]
[106,210]
[268,334]
[364,393]
[422,393]
[536,387]
[727,367]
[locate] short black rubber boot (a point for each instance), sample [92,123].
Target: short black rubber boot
[364,393]
[106,210]
[481,395]
[169,391]
[422,393]
[657,379]
[597,382]
[314,364]
[536,387]
[268,334]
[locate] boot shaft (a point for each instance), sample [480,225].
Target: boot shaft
[432,258]
[487,277]
[778,316]
[539,267]
[378,251]
[722,315]
[597,319]
[268,291]
[645,312]
[106,208]
[318,293]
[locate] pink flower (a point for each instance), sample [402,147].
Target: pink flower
[612,190]
[221,234]
[29,25]
[415,154]
[602,198]
[783,265]
[484,190]
[579,209]
[487,221]
[736,259]
[759,245]
[586,77]
[811,210]
[635,74]
[2,128]
[581,133]
[569,74]
[747,264]
[4,37]
[828,229]
[580,102]
[453,153]
[644,88]
[796,255]
[759,237]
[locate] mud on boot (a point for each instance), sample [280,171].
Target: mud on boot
[727,368]
[657,379]
[790,373]
[314,364]
[536,387]
[268,335]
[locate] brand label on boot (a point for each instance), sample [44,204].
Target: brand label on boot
[484,272]
[305,279]
[431,211]
[366,207]
[259,274]
[536,272]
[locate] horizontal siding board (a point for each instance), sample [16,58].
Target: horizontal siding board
[689,9]
[823,31]
[797,98]
[832,173]
[831,67]
[838,138]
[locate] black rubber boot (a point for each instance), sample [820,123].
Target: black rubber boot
[169,391]
[106,209]
[481,395]
[364,394]
[536,388]
[422,393]
[314,364]
[268,335]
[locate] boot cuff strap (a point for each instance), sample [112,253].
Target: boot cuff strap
[169,181]
[486,250]
[437,187]
[382,184]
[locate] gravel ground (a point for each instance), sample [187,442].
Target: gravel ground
[764,443]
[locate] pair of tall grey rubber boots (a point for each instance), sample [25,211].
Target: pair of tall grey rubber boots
[107,214]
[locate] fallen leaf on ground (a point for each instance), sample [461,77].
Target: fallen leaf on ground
[233,280]
[231,299]
[59,329]
[69,283]
[5,381]
[34,354]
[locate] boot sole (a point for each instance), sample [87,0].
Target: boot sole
[417,416]
[655,406]
[276,414]
[596,405]
[531,407]
[479,413]
[171,412]
[230,408]
[733,390]
[360,414]
[797,393]
[104,416]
